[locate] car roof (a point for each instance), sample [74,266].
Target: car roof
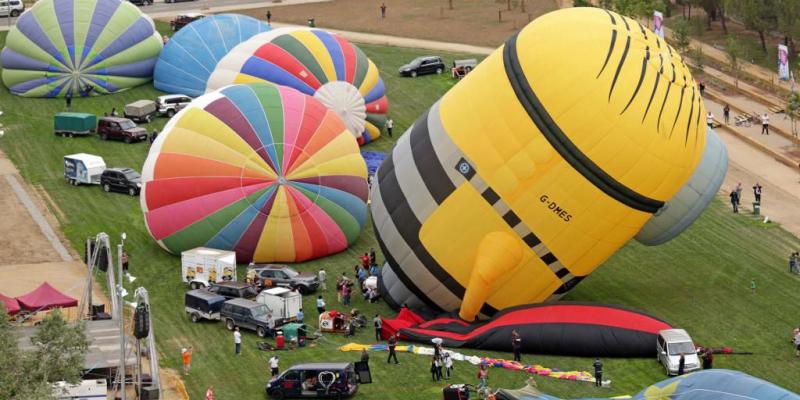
[204,294]
[114,119]
[235,285]
[172,96]
[316,366]
[271,266]
[675,335]
[123,170]
[243,302]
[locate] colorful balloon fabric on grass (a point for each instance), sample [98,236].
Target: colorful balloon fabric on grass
[317,63]
[259,169]
[194,51]
[79,47]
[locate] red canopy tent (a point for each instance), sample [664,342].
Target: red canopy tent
[12,306]
[45,297]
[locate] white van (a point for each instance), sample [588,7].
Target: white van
[283,302]
[670,345]
[11,7]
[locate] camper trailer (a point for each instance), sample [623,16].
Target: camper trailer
[202,266]
[83,168]
[93,389]
[283,302]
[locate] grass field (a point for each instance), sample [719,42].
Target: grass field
[699,281]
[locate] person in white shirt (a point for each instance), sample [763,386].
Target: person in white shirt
[448,365]
[710,120]
[389,126]
[765,124]
[271,325]
[320,305]
[273,366]
[237,340]
[322,276]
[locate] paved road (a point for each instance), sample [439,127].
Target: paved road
[162,9]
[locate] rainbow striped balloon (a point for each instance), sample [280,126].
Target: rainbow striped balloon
[260,169]
[79,47]
[317,63]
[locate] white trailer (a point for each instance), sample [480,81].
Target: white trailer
[93,389]
[83,168]
[283,302]
[202,266]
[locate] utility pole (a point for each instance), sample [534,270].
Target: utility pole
[121,316]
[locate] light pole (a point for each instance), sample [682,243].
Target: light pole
[121,293]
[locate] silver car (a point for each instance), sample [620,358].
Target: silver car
[671,344]
[11,7]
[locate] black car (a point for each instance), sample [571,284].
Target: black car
[233,290]
[141,2]
[123,180]
[285,276]
[422,66]
[245,314]
[315,380]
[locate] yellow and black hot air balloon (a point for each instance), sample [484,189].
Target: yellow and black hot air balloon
[555,151]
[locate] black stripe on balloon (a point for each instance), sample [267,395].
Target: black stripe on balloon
[610,50]
[427,163]
[689,121]
[619,66]
[569,285]
[697,124]
[613,20]
[673,72]
[641,79]
[624,21]
[655,87]
[561,142]
[401,275]
[644,32]
[678,114]
[664,103]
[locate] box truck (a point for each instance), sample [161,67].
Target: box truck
[202,266]
[283,302]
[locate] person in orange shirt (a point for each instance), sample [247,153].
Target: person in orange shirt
[187,359]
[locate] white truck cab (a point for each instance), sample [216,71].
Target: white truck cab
[671,344]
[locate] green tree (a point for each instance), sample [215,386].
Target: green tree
[581,3]
[789,21]
[792,108]
[756,15]
[680,31]
[698,56]
[59,355]
[734,52]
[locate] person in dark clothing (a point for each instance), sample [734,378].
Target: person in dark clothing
[726,113]
[392,345]
[702,87]
[383,10]
[598,372]
[153,136]
[433,369]
[735,201]
[516,345]
[378,325]
[681,364]
[757,192]
[438,361]
[269,16]
[364,356]
[708,359]
[372,258]
[68,99]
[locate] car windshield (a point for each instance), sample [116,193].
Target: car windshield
[416,62]
[127,124]
[676,349]
[260,311]
[132,175]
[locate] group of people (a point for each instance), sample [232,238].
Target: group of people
[736,195]
[441,363]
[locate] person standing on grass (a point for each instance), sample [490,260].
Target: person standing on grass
[346,295]
[753,285]
[739,194]
[757,192]
[383,10]
[378,325]
[448,365]
[598,372]
[516,345]
[726,114]
[483,375]
[320,305]
[681,364]
[797,344]
[237,340]
[210,393]
[708,359]
[273,366]
[765,124]
[270,325]
[323,275]
[364,356]
[68,99]
[434,368]
[372,257]
[735,201]
[389,126]
[186,355]
[392,354]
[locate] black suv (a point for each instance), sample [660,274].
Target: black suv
[286,276]
[123,180]
[245,314]
[233,290]
[422,66]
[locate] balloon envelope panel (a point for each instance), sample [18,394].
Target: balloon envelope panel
[64,47]
[194,51]
[260,169]
[317,63]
